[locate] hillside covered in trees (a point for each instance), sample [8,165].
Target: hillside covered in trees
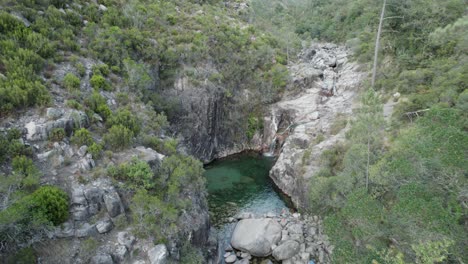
[84,85]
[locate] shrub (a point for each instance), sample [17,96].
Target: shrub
[49,203]
[118,137]
[80,68]
[98,82]
[127,119]
[74,104]
[57,134]
[96,150]
[82,137]
[97,103]
[137,173]
[25,168]
[101,69]
[71,82]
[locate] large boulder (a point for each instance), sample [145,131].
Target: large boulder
[286,250]
[158,254]
[256,236]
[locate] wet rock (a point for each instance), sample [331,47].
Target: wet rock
[286,250]
[158,254]
[256,236]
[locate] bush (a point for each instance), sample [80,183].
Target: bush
[95,150]
[82,137]
[49,203]
[25,168]
[98,82]
[80,68]
[97,103]
[127,119]
[74,104]
[118,137]
[101,69]
[71,82]
[137,173]
[57,134]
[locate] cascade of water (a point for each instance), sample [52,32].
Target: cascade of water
[271,150]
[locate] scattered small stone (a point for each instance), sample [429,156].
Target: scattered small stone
[231,258]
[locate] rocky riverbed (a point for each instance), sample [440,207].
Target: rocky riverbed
[280,238]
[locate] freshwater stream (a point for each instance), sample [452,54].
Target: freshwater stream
[239,184]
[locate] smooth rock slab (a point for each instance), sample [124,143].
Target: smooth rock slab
[286,250]
[256,236]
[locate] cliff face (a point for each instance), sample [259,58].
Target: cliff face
[304,124]
[212,125]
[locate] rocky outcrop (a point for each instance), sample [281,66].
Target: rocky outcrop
[99,197]
[325,84]
[290,238]
[68,119]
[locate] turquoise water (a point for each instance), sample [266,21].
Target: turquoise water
[241,184]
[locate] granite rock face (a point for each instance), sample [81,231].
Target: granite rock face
[326,87]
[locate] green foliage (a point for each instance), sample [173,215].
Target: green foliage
[74,104]
[101,69]
[57,134]
[119,137]
[176,174]
[26,219]
[82,137]
[49,203]
[97,103]
[71,82]
[23,256]
[254,124]
[137,173]
[191,255]
[127,119]
[98,82]
[25,169]
[95,150]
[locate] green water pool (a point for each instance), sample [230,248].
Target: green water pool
[240,184]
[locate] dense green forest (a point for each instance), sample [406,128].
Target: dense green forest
[413,208]
[394,192]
